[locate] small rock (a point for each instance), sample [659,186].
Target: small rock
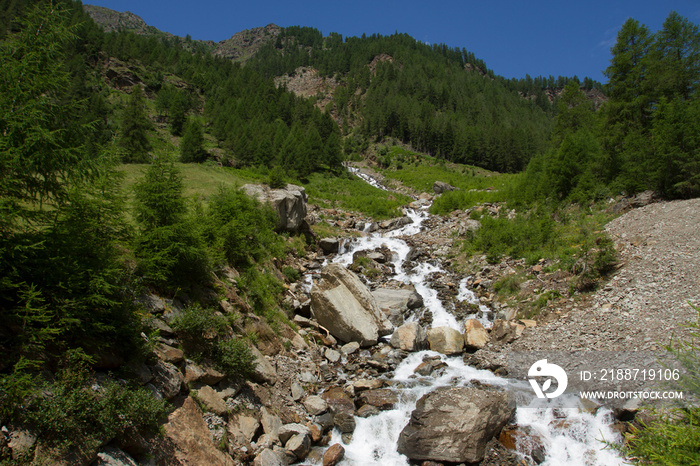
[350,348]
[445,340]
[344,422]
[332,355]
[242,429]
[297,391]
[315,405]
[333,455]
[268,457]
[299,444]
[475,335]
[287,431]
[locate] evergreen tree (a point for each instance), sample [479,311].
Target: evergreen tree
[133,140]
[192,144]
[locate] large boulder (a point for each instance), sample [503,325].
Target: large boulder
[475,335]
[454,424]
[440,187]
[344,306]
[445,340]
[289,203]
[409,337]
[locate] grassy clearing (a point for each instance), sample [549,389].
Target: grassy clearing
[474,185]
[201,181]
[351,193]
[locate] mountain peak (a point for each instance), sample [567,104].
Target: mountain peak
[244,44]
[114,21]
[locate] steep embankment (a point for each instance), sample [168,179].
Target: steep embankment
[645,303]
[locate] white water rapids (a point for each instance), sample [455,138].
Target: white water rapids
[570,436]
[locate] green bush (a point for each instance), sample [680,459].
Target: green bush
[207,334]
[70,411]
[291,273]
[242,230]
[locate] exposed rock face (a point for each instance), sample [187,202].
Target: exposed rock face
[243,45]
[454,424]
[440,187]
[344,305]
[409,337]
[445,340]
[289,204]
[188,438]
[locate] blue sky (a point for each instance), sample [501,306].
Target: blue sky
[514,38]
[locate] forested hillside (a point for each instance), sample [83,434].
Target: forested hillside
[440,100]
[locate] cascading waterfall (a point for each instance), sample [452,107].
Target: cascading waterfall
[570,436]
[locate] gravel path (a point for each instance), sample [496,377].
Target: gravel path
[646,301]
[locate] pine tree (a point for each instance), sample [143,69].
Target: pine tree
[133,142]
[192,144]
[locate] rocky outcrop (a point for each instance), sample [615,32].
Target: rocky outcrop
[454,424]
[289,204]
[344,306]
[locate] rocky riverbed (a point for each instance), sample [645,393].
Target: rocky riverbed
[322,394]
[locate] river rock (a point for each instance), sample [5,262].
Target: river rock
[409,337]
[289,204]
[454,424]
[445,340]
[188,440]
[344,305]
[382,398]
[338,400]
[315,405]
[333,455]
[475,335]
[350,348]
[299,444]
[344,422]
[329,245]
[524,440]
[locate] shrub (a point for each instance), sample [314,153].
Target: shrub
[206,334]
[71,411]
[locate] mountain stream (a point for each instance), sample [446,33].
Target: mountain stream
[566,436]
